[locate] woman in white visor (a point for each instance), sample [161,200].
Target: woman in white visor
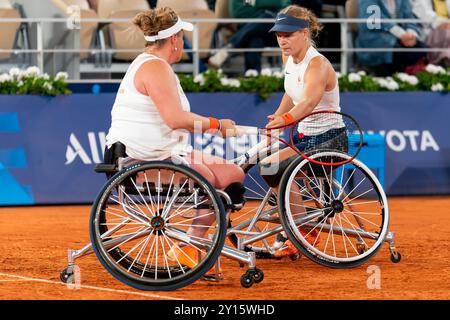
[151,114]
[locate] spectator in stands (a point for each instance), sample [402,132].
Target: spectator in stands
[211,4]
[152,3]
[93,4]
[314,5]
[250,35]
[388,35]
[438,33]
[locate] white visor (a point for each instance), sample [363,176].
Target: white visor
[177,27]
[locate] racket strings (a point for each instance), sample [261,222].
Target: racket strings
[326,131]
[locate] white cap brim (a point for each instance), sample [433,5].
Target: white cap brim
[177,27]
[187,26]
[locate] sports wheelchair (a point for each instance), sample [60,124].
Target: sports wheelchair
[142,220]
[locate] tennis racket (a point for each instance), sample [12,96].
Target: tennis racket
[317,132]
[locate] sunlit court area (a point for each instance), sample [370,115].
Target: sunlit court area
[224,150]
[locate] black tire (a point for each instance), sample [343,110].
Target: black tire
[258,275]
[396,258]
[309,250]
[247,280]
[66,277]
[178,276]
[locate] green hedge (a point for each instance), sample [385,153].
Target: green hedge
[433,78]
[32,81]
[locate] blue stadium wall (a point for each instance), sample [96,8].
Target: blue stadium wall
[50,145]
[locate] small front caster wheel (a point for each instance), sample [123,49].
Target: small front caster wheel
[295,257]
[396,257]
[258,275]
[66,276]
[247,280]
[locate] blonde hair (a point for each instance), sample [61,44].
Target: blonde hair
[302,13]
[152,21]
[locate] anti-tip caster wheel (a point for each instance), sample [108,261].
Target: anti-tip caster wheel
[396,257]
[67,275]
[258,275]
[295,257]
[247,280]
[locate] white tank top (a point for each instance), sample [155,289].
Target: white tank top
[137,124]
[294,85]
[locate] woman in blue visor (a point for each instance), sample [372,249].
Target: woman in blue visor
[310,85]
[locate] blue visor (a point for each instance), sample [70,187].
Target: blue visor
[287,23]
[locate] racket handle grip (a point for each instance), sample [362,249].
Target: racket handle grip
[244,130]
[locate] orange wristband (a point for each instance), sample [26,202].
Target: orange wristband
[214,123]
[288,118]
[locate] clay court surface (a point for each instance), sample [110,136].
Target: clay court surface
[34,243]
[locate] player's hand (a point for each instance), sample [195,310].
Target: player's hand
[271,117]
[277,121]
[228,128]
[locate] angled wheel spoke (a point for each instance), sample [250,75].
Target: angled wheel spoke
[187,209]
[142,197]
[174,197]
[148,257]
[173,244]
[133,236]
[305,188]
[348,194]
[165,256]
[357,215]
[196,217]
[345,185]
[315,179]
[135,213]
[344,235]
[149,192]
[355,229]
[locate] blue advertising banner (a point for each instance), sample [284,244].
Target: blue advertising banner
[50,145]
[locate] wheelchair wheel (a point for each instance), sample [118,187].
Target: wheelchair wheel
[140,221]
[337,217]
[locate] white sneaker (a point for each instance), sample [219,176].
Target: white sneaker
[218,59]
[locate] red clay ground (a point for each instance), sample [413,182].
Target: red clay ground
[34,243]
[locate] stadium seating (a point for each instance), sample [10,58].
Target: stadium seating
[196,9]
[224,31]
[8,29]
[123,35]
[87,29]
[351,12]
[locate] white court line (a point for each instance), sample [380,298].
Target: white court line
[88,287]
